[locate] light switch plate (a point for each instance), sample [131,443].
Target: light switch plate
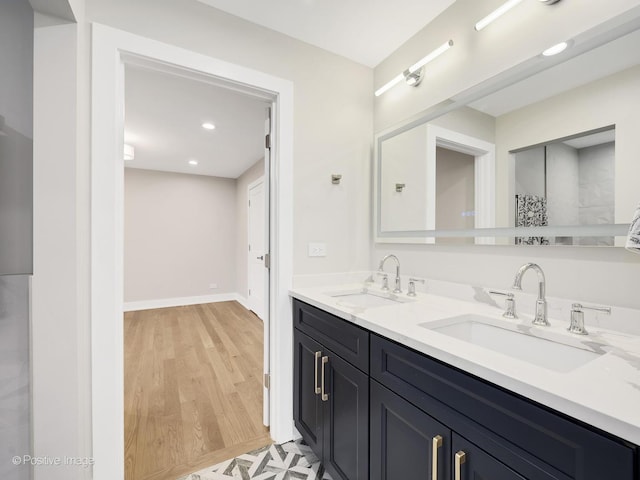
[317,249]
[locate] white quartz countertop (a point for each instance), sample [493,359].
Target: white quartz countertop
[604,392]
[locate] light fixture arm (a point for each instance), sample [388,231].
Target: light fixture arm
[413,74]
[413,78]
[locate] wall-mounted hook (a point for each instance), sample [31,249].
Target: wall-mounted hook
[335,179]
[400,187]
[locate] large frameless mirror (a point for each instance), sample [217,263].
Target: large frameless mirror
[549,159]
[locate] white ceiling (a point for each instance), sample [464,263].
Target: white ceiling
[163,118]
[366,31]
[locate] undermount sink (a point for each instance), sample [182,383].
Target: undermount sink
[528,343]
[364,298]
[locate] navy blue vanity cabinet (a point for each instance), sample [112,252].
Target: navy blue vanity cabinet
[471,462]
[502,435]
[307,408]
[331,390]
[405,441]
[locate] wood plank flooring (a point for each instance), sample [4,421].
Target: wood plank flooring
[193,388]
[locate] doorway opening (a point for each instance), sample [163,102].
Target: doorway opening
[464,167]
[107,259]
[193,348]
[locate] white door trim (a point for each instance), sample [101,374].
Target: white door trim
[485,175]
[109,48]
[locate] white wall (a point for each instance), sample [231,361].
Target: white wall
[60,340]
[242,234]
[405,162]
[332,108]
[572,272]
[180,235]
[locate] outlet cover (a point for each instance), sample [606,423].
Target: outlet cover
[317,249]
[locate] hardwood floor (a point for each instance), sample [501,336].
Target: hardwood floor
[193,388]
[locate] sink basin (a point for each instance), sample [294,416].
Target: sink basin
[544,349]
[363,298]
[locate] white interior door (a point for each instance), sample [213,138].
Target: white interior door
[257,249]
[258,274]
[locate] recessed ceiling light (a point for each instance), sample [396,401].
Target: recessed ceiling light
[208,126]
[556,49]
[193,162]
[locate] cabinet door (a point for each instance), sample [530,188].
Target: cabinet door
[346,420]
[307,411]
[406,443]
[476,464]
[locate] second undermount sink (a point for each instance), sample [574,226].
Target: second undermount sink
[528,343]
[364,298]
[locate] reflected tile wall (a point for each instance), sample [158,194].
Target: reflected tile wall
[14,375]
[597,189]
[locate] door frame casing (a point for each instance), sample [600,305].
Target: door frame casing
[110,48]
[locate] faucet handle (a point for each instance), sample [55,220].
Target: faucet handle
[385,280]
[577,317]
[509,303]
[412,286]
[579,306]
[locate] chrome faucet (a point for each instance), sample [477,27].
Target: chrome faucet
[398,288]
[541,302]
[577,317]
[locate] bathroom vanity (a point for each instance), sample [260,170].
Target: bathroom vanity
[384,391]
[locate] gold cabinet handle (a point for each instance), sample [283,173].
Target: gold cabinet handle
[436,443]
[317,387]
[461,457]
[325,396]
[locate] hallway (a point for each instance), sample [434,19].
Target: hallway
[193,388]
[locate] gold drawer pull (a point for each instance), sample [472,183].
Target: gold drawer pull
[325,396]
[317,387]
[435,444]
[461,457]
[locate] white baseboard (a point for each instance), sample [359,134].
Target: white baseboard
[181,301]
[242,301]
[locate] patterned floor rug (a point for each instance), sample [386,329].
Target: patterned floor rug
[289,461]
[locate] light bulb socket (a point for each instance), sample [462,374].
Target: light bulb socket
[413,78]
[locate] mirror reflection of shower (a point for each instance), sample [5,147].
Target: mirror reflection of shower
[569,181]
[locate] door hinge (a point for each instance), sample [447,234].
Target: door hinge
[267,141]
[267,260]
[267,381]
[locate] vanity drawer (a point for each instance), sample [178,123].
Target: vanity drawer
[345,339]
[538,441]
